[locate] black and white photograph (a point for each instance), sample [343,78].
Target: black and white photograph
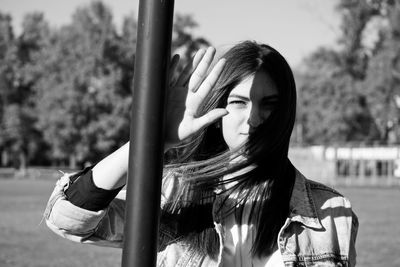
[208,133]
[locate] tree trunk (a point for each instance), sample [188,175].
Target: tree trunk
[22,161]
[4,158]
[72,162]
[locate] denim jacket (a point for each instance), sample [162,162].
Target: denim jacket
[320,230]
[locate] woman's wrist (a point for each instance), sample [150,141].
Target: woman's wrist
[110,173]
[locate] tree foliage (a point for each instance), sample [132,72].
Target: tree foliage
[19,72]
[66,93]
[349,94]
[83,89]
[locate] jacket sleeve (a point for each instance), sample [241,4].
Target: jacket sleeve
[353,237]
[104,227]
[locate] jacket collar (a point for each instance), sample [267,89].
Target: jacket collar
[302,208]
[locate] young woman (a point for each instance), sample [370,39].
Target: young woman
[230,195]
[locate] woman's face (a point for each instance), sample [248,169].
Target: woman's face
[249,104]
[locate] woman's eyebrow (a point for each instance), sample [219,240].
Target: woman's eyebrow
[270,98]
[239,96]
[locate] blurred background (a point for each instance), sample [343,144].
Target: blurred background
[66,69]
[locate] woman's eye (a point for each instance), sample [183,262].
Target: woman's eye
[236,102]
[269,106]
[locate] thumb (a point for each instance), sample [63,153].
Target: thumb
[209,118]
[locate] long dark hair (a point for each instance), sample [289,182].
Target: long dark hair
[204,159]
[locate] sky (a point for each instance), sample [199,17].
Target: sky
[294,27]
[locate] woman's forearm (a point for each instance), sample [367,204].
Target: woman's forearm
[110,172]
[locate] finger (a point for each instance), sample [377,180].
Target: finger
[209,118]
[172,68]
[198,57]
[208,84]
[188,70]
[201,71]
[195,99]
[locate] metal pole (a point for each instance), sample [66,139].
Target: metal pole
[147,133]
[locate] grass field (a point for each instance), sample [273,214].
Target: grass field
[26,242]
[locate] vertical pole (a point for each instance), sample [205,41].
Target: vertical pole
[147,133]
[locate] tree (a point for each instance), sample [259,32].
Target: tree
[66,93]
[356,15]
[183,41]
[20,137]
[83,110]
[332,110]
[348,94]
[7,71]
[382,83]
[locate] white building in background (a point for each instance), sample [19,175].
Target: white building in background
[349,165]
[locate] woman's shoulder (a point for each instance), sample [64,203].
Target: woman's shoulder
[326,226]
[314,192]
[325,196]
[317,186]
[332,206]
[316,200]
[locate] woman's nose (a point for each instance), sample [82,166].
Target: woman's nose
[254,119]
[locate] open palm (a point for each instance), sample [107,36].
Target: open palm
[187,94]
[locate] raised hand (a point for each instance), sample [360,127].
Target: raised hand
[187,94]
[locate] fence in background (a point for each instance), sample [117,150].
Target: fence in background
[366,166]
